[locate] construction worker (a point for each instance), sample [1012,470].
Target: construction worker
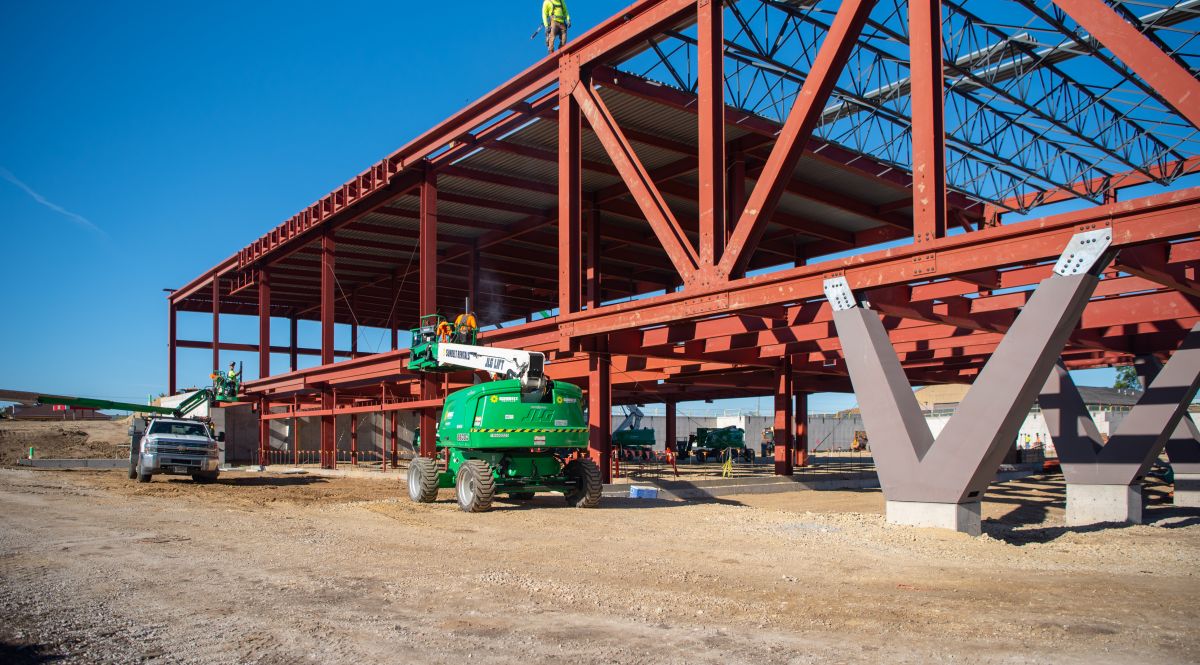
[556,19]
[229,387]
[464,325]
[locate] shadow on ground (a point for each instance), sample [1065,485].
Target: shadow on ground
[26,654]
[1032,499]
[255,481]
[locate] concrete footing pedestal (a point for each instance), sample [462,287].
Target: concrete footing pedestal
[962,517]
[1095,504]
[1187,490]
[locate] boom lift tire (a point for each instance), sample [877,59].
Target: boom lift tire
[587,493]
[475,486]
[422,480]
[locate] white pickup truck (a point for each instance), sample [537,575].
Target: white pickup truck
[174,446]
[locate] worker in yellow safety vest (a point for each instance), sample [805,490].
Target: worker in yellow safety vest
[556,19]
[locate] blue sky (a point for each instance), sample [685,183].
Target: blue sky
[143,142]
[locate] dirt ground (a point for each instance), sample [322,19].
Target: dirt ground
[71,439]
[271,568]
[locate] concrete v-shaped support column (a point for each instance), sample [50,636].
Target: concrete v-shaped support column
[1103,479]
[1183,447]
[940,482]
[1183,450]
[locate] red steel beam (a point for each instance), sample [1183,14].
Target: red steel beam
[1173,83]
[1164,216]
[928,120]
[810,102]
[710,52]
[1118,181]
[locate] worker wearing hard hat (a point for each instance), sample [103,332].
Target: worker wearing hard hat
[556,19]
[465,328]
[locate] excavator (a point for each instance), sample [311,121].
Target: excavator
[517,434]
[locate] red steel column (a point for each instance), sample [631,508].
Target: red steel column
[292,334]
[395,438]
[172,336]
[473,276]
[393,324]
[328,422]
[600,409]
[800,456]
[783,418]
[354,439]
[592,270]
[735,191]
[328,280]
[264,323]
[570,189]
[599,367]
[711,111]
[672,426]
[264,433]
[428,301]
[928,120]
[216,323]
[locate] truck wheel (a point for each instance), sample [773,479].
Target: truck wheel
[586,475]
[475,486]
[133,460]
[521,496]
[206,477]
[422,480]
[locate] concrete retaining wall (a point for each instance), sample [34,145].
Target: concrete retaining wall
[75,463]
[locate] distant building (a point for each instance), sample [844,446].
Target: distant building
[52,412]
[947,397]
[1108,407]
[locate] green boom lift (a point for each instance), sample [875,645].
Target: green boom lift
[518,434]
[224,389]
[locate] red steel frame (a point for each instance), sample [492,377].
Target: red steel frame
[722,333]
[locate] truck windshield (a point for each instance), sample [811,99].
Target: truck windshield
[179,429]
